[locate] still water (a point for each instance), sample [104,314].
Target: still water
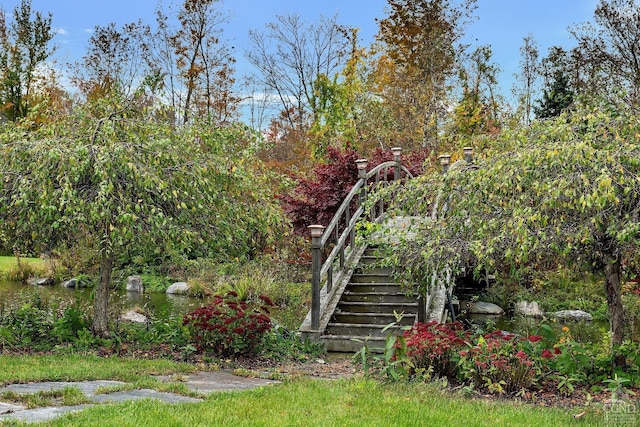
[155,303]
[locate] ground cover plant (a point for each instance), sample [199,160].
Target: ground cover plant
[550,363]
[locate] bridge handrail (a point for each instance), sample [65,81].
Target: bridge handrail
[344,240]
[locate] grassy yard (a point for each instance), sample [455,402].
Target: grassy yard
[296,402]
[9,262]
[30,266]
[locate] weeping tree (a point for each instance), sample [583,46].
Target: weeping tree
[122,183]
[564,191]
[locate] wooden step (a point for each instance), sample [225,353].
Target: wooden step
[372,251]
[376,287]
[373,318]
[351,344]
[374,269]
[368,260]
[380,307]
[362,330]
[376,297]
[366,277]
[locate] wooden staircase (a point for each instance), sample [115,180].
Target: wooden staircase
[369,302]
[353,300]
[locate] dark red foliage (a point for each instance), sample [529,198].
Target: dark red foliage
[433,345]
[227,326]
[316,199]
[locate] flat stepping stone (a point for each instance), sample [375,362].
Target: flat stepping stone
[123,396]
[201,382]
[7,408]
[210,382]
[40,414]
[87,387]
[10,411]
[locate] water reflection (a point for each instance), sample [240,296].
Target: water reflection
[153,303]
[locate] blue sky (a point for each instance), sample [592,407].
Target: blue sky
[501,23]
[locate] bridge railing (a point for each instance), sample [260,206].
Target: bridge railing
[340,235]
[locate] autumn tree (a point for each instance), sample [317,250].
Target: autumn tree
[525,87]
[341,101]
[291,55]
[420,42]
[477,112]
[114,67]
[194,63]
[609,49]
[25,44]
[562,191]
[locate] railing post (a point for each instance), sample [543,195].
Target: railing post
[362,174]
[422,309]
[397,154]
[316,265]
[468,154]
[444,162]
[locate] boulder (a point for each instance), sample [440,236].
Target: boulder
[528,309]
[40,281]
[178,288]
[133,317]
[575,315]
[481,307]
[74,284]
[134,284]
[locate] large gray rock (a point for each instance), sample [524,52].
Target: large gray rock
[134,317]
[134,284]
[528,309]
[481,307]
[40,281]
[178,288]
[575,315]
[75,284]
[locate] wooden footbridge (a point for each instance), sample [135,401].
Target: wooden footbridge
[353,298]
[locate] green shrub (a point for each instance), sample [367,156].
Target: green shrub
[281,343]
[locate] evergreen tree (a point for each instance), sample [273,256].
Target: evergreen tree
[557,97]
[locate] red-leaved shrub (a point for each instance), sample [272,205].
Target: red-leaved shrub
[435,346]
[228,326]
[316,199]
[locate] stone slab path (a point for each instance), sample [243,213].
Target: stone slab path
[201,382]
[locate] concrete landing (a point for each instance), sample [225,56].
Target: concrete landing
[201,382]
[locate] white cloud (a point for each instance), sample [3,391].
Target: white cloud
[61,31]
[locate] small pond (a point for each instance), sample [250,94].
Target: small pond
[157,303]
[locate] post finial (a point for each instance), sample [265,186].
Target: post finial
[468,154]
[316,230]
[444,161]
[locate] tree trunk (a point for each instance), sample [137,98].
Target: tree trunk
[101,299]
[614,302]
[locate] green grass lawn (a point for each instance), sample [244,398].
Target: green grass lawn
[9,262]
[296,402]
